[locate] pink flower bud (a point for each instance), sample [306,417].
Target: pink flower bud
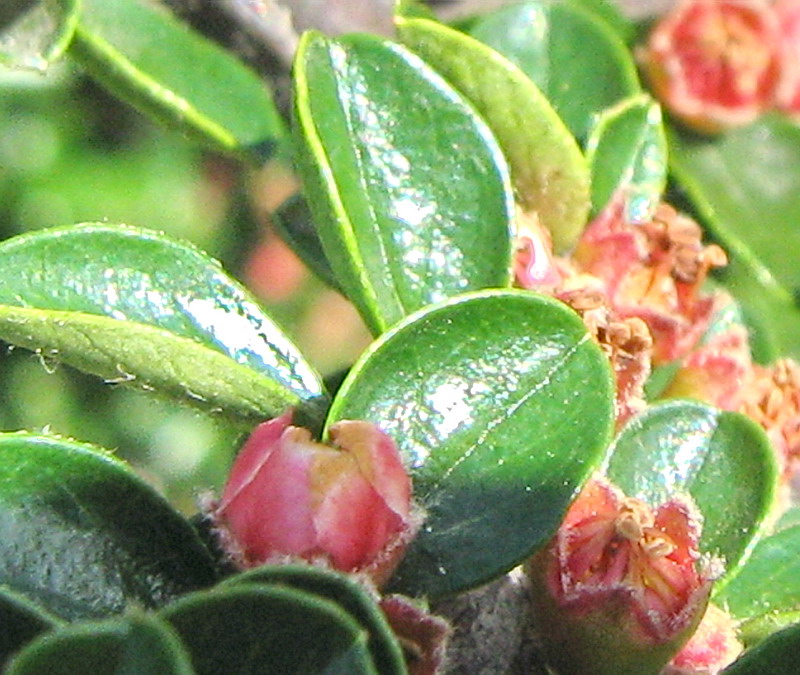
[715,64]
[348,506]
[712,648]
[620,587]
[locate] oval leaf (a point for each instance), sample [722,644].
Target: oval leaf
[777,655]
[412,201]
[139,644]
[267,629]
[627,153]
[769,583]
[82,536]
[745,186]
[549,172]
[134,307]
[343,590]
[501,406]
[34,33]
[575,58]
[723,460]
[21,622]
[142,54]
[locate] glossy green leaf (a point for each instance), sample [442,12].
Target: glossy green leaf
[138,644]
[574,57]
[745,186]
[501,406]
[141,53]
[34,33]
[83,536]
[627,153]
[269,630]
[768,585]
[21,622]
[722,460]
[134,307]
[777,655]
[409,190]
[548,170]
[343,590]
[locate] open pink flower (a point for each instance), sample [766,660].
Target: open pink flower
[715,64]
[654,271]
[287,496]
[621,586]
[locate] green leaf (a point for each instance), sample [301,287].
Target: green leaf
[132,306]
[627,153]
[501,406]
[142,54]
[83,536]
[722,460]
[745,186]
[768,584]
[777,655]
[407,185]
[344,591]
[34,33]
[609,13]
[413,9]
[135,645]
[268,629]
[21,622]
[574,57]
[549,172]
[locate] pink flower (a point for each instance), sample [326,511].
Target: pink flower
[348,506]
[654,271]
[621,586]
[717,371]
[712,648]
[715,64]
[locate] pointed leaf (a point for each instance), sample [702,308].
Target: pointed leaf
[549,172]
[627,152]
[574,57]
[745,186]
[141,53]
[140,644]
[723,460]
[267,629]
[769,584]
[777,655]
[34,33]
[82,536]
[21,622]
[134,307]
[407,185]
[344,591]
[501,406]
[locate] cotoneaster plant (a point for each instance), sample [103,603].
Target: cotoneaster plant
[581,379]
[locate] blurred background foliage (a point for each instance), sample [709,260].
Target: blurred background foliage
[71,153]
